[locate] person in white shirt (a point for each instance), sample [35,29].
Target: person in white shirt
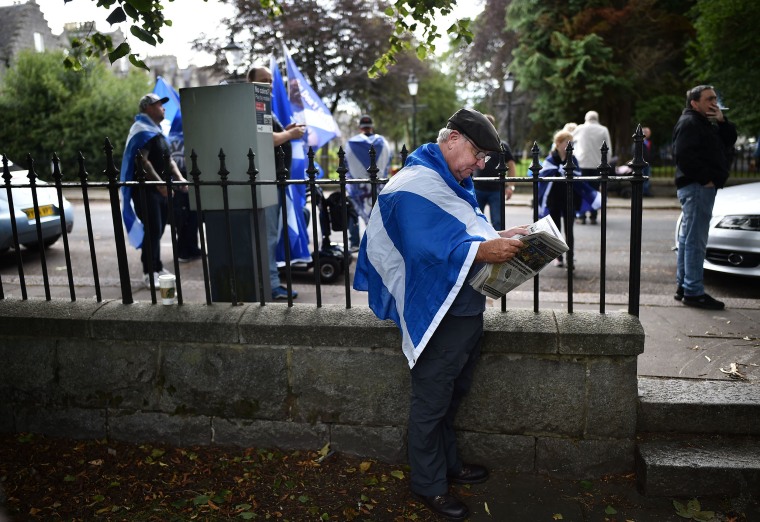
[588,138]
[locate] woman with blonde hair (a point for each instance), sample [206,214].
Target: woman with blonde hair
[552,196]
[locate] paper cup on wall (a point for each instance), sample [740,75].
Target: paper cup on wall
[168,286]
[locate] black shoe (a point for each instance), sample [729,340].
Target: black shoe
[703,301]
[469,474]
[679,294]
[188,259]
[446,505]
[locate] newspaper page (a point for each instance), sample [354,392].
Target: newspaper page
[542,244]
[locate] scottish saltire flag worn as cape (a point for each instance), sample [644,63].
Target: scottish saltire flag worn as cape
[420,243]
[142,131]
[357,158]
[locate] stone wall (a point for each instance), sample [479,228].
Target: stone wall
[553,393]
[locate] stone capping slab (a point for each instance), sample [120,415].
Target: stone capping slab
[144,321]
[308,325]
[592,333]
[61,318]
[529,332]
[545,332]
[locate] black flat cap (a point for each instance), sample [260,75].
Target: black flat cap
[473,124]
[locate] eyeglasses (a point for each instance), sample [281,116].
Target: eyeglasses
[479,154]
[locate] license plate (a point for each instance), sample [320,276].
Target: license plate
[45,210]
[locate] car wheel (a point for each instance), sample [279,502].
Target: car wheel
[45,243]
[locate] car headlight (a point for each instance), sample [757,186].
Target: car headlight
[751,223]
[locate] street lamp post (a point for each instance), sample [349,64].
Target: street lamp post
[509,86]
[233,53]
[413,85]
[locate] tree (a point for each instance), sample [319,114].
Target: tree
[582,55]
[723,54]
[334,43]
[147,21]
[50,109]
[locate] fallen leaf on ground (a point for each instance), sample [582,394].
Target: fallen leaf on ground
[733,372]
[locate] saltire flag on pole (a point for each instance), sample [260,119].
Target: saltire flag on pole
[298,233]
[309,108]
[172,124]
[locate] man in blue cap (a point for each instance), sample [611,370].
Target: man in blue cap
[148,145]
[425,239]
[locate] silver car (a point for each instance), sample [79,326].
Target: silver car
[26,218]
[733,244]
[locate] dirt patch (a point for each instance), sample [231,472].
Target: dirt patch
[47,478]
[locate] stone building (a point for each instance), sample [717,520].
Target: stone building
[23,26]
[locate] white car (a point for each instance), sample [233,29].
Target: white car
[23,206]
[733,244]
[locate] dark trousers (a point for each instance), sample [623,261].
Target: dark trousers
[441,378]
[186,224]
[154,223]
[556,201]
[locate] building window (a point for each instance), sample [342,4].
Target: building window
[39,43]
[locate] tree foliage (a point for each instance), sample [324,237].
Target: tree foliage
[589,55]
[50,109]
[147,20]
[334,44]
[724,55]
[423,13]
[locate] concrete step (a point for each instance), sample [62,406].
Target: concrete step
[695,467]
[698,406]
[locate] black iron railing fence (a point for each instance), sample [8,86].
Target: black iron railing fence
[197,179]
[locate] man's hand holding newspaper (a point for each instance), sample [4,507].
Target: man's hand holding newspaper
[543,243]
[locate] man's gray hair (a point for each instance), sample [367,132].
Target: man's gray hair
[444,134]
[695,93]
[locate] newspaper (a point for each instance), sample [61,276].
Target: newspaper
[543,243]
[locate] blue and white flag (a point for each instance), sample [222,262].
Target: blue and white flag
[171,108]
[357,158]
[298,233]
[309,108]
[590,198]
[419,246]
[141,132]
[171,126]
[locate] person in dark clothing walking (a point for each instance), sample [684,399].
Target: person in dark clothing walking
[703,143]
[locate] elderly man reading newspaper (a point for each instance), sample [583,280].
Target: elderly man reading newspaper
[425,240]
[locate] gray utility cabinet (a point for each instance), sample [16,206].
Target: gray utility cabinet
[232,118]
